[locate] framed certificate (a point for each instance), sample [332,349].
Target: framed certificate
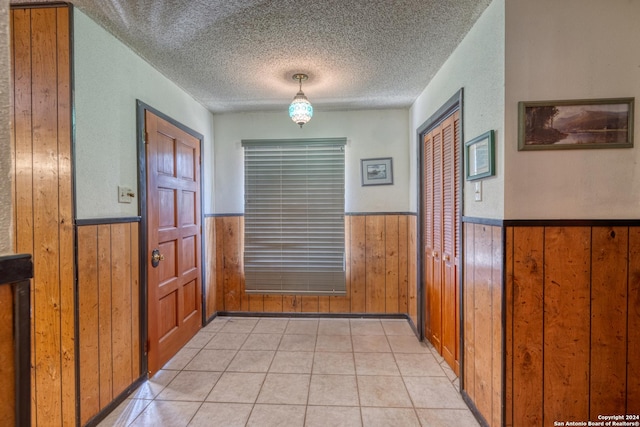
[479,156]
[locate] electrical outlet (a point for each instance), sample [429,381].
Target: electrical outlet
[125,195]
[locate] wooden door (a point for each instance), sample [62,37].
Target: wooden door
[174,294]
[433,236]
[441,196]
[451,240]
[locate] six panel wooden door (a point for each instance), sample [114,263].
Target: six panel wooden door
[174,233]
[441,237]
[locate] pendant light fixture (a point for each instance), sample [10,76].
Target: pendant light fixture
[300,109]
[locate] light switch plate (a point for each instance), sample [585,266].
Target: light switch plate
[125,195]
[478,191]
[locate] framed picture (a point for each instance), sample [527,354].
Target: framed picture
[479,156]
[575,124]
[377,171]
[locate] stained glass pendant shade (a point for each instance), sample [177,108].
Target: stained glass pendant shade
[300,109]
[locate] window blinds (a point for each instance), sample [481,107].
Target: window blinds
[294,216]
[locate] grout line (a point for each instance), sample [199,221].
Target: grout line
[311,373]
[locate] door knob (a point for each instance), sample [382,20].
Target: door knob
[446,258]
[156,257]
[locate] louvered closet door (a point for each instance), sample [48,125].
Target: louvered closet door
[450,240]
[441,195]
[433,236]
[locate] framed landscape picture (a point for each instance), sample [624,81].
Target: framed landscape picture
[377,171]
[575,124]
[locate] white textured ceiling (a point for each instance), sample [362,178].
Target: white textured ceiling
[240,55]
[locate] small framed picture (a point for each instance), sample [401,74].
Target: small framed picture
[479,156]
[377,171]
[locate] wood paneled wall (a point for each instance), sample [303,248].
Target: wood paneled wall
[15,339]
[42,200]
[7,359]
[209,267]
[572,323]
[381,269]
[108,313]
[482,326]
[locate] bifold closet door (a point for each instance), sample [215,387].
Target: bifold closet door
[441,252]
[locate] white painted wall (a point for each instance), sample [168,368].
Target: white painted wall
[571,49]
[370,134]
[109,77]
[6,246]
[477,66]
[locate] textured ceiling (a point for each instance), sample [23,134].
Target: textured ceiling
[240,55]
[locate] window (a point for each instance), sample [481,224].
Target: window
[294,216]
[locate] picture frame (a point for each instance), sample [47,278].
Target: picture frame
[479,156]
[376,171]
[575,124]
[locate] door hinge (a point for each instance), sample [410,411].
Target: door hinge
[146,347]
[146,137]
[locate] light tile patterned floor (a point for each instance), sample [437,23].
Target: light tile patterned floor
[299,372]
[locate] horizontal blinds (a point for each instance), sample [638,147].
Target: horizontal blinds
[294,216]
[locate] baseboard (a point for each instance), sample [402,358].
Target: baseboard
[298,314]
[474,410]
[115,402]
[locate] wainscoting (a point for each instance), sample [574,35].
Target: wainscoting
[482,327]
[381,269]
[572,322]
[108,313]
[551,320]
[7,358]
[15,339]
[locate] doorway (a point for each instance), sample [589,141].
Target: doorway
[170,163]
[440,229]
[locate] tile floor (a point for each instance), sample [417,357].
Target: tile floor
[299,372]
